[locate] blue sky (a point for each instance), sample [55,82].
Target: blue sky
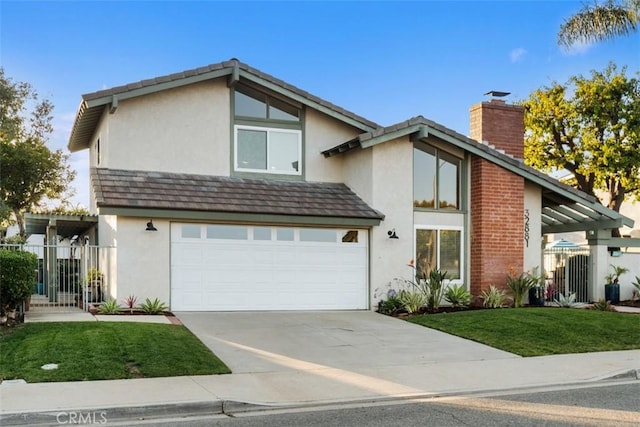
[386,61]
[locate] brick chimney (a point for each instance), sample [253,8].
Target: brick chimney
[500,124]
[497,197]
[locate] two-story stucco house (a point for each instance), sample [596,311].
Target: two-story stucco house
[224,188]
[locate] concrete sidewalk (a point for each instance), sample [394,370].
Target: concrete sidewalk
[308,383]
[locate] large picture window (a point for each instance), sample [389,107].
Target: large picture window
[438,248]
[436,179]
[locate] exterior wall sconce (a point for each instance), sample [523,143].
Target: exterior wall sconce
[392,234]
[150,226]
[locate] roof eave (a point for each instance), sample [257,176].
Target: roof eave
[241,217]
[421,129]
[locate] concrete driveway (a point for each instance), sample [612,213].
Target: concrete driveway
[256,342]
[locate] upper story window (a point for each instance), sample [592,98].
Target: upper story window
[267,134]
[253,104]
[260,149]
[436,179]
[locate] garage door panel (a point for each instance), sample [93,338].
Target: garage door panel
[228,274]
[186,254]
[231,255]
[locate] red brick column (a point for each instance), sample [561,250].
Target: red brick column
[497,197]
[497,225]
[501,124]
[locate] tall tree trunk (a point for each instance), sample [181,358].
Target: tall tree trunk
[616,198]
[20,221]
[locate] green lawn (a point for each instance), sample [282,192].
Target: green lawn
[103,350]
[541,331]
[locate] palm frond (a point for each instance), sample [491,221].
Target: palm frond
[599,22]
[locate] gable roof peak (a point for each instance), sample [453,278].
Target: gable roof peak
[93,104]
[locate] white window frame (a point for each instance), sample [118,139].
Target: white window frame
[438,229]
[268,130]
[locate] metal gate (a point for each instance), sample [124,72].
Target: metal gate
[566,272]
[68,278]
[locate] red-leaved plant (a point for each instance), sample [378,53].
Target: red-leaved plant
[130,302]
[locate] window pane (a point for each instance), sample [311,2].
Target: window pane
[262,233]
[424,177]
[426,252]
[279,110]
[234,232]
[449,182]
[450,252]
[317,235]
[285,234]
[252,149]
[250,104]
[190,231]
[283,151]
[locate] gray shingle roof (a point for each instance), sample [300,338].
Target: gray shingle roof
[558,197]
[162,190]
[93,104]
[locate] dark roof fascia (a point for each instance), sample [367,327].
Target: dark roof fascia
[233,68]
[232,217]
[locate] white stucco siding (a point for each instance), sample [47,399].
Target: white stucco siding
[533,227]
[107,237]
[320,133]
[102,134]
[143,259]
[358,173]
[179,130]
[392,192]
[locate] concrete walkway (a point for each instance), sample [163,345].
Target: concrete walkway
[267,375]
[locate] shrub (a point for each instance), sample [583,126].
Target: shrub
[153,307]
[109,307]
[458,296]
[413,301]
[391,305]
[519,286]
[636,291]
[130,302]
[603,305]
[435,288]
[494,297]
[16,277]
[568,301]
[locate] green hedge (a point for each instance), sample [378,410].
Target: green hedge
[17,275]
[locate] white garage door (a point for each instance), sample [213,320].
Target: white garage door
[231,267]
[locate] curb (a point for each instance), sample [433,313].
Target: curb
[115,414]
[218,407]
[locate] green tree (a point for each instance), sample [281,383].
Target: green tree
[590,127]
[29,171]
[600,21]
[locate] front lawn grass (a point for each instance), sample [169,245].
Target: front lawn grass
[103,350]
[540,331]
